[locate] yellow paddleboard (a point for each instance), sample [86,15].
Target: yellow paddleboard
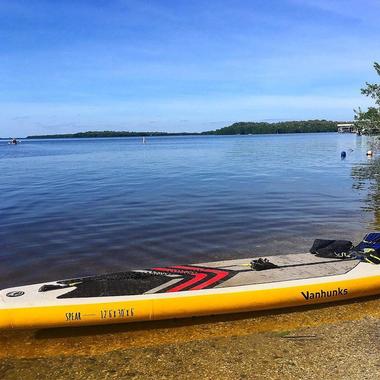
[187,290]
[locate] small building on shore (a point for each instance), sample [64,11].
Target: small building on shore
[346,128]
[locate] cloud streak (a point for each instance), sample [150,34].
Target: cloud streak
[156,115]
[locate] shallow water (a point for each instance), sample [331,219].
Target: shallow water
[77,207]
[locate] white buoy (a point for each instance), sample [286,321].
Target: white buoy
[370,153]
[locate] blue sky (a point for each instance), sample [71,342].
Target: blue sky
[174,65]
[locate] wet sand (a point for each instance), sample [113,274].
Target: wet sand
[340,341]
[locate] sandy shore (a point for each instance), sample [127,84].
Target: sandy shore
[339,341]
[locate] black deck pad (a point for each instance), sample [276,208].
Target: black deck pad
[115,284]
[189,277]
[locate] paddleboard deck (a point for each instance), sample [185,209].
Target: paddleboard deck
[187,290]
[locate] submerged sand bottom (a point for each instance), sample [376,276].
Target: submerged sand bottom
[340,341]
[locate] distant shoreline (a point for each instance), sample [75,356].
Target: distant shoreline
[109,134]
[241,128]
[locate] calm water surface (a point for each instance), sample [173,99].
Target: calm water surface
[78,207]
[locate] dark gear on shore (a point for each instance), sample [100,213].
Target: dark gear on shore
[367,250]
[332,248]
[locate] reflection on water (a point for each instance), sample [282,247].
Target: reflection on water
[75,207]
[366,177]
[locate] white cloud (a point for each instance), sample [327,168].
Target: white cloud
[169,114]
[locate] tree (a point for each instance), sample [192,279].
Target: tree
[368,122]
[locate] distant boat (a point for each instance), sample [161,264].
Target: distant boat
[13,142]
[143,140]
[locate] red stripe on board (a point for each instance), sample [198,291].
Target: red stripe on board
[197,278]
[219,275]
